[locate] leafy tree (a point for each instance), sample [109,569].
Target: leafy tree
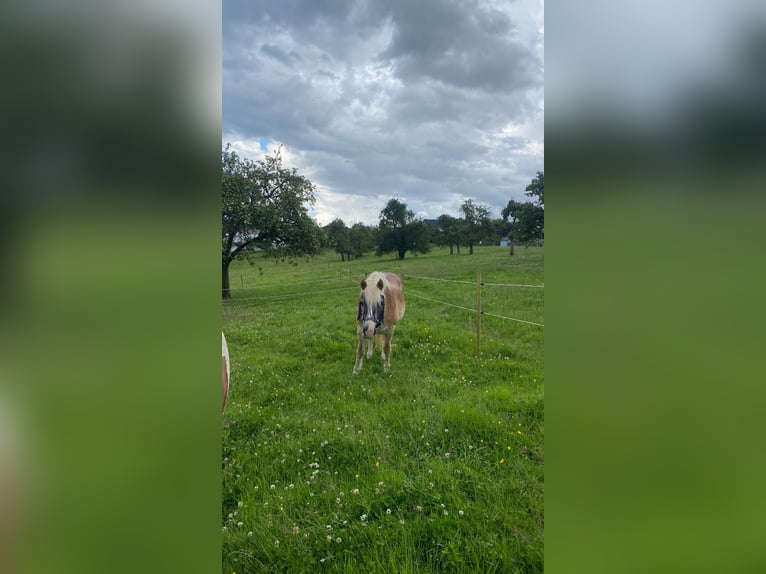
[526,220]
[448,232]
[339,237]
[476,223]
[264,206]
[362,239]
[399,231]
[535,189]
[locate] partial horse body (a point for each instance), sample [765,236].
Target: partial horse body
[380,308]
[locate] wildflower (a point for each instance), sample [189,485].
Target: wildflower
[239,504]
[273,486]
[355,491]
[381,484]
[401,521]
[295,530]
[418,508]
[276,544]
[388,511]
[377,463]
[460,512]
[250,534]
[329,538]
[363,517]
[240,523]
[502,460]
[224,529]
[508,448]
[231,516]
[446,513]
[338,540]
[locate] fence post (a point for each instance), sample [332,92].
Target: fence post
[478,314]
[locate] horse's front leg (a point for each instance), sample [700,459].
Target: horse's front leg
[359,354]
[386,351]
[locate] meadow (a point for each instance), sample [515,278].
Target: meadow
[436,466]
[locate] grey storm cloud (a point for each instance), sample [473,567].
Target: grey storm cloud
[429,101]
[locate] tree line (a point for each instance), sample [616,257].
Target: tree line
[265,209]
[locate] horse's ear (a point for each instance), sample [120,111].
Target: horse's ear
[363,284]
[380,284]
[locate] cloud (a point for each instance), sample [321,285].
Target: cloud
[431,102]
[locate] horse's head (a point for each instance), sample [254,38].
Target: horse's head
[372,303]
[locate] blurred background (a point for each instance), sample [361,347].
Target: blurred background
[109,289]
[109,294]
[655,141]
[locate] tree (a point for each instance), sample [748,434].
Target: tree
[264,206]
[476,223]
[339,237]
[448,232]
[362,239]
[526,220]
[535,189]
[399,231]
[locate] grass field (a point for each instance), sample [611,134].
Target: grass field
[434,467]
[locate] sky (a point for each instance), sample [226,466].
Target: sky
[429,101]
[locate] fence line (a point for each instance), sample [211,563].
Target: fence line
[440,302]
[512,285]
[286,296]
[511,319]
[412,294]
[473,283]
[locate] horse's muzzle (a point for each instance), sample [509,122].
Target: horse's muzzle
[368,330]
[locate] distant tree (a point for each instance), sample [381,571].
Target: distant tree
[399,231]
[339,238]
[362,239]
[526,219]
[264,206]
[448,232]
[476,225]
[535,188]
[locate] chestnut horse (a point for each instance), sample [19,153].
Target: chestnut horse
[380,308]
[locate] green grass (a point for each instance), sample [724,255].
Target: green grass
[434,467]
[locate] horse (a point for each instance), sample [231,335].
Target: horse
[225,371]
[379,309]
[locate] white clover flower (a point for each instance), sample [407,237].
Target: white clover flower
[329,538]
[272,486]
[460,512]
[355,491]
[240,524]
[295,530]
[224,529]
[276,544]
[363,517]
[338,540]
[388,511]
[239,504]
[250,534]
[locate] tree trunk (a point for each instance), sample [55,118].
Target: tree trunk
[225,289]
[450,249]
[470,249]
[401,253]
[511,246]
